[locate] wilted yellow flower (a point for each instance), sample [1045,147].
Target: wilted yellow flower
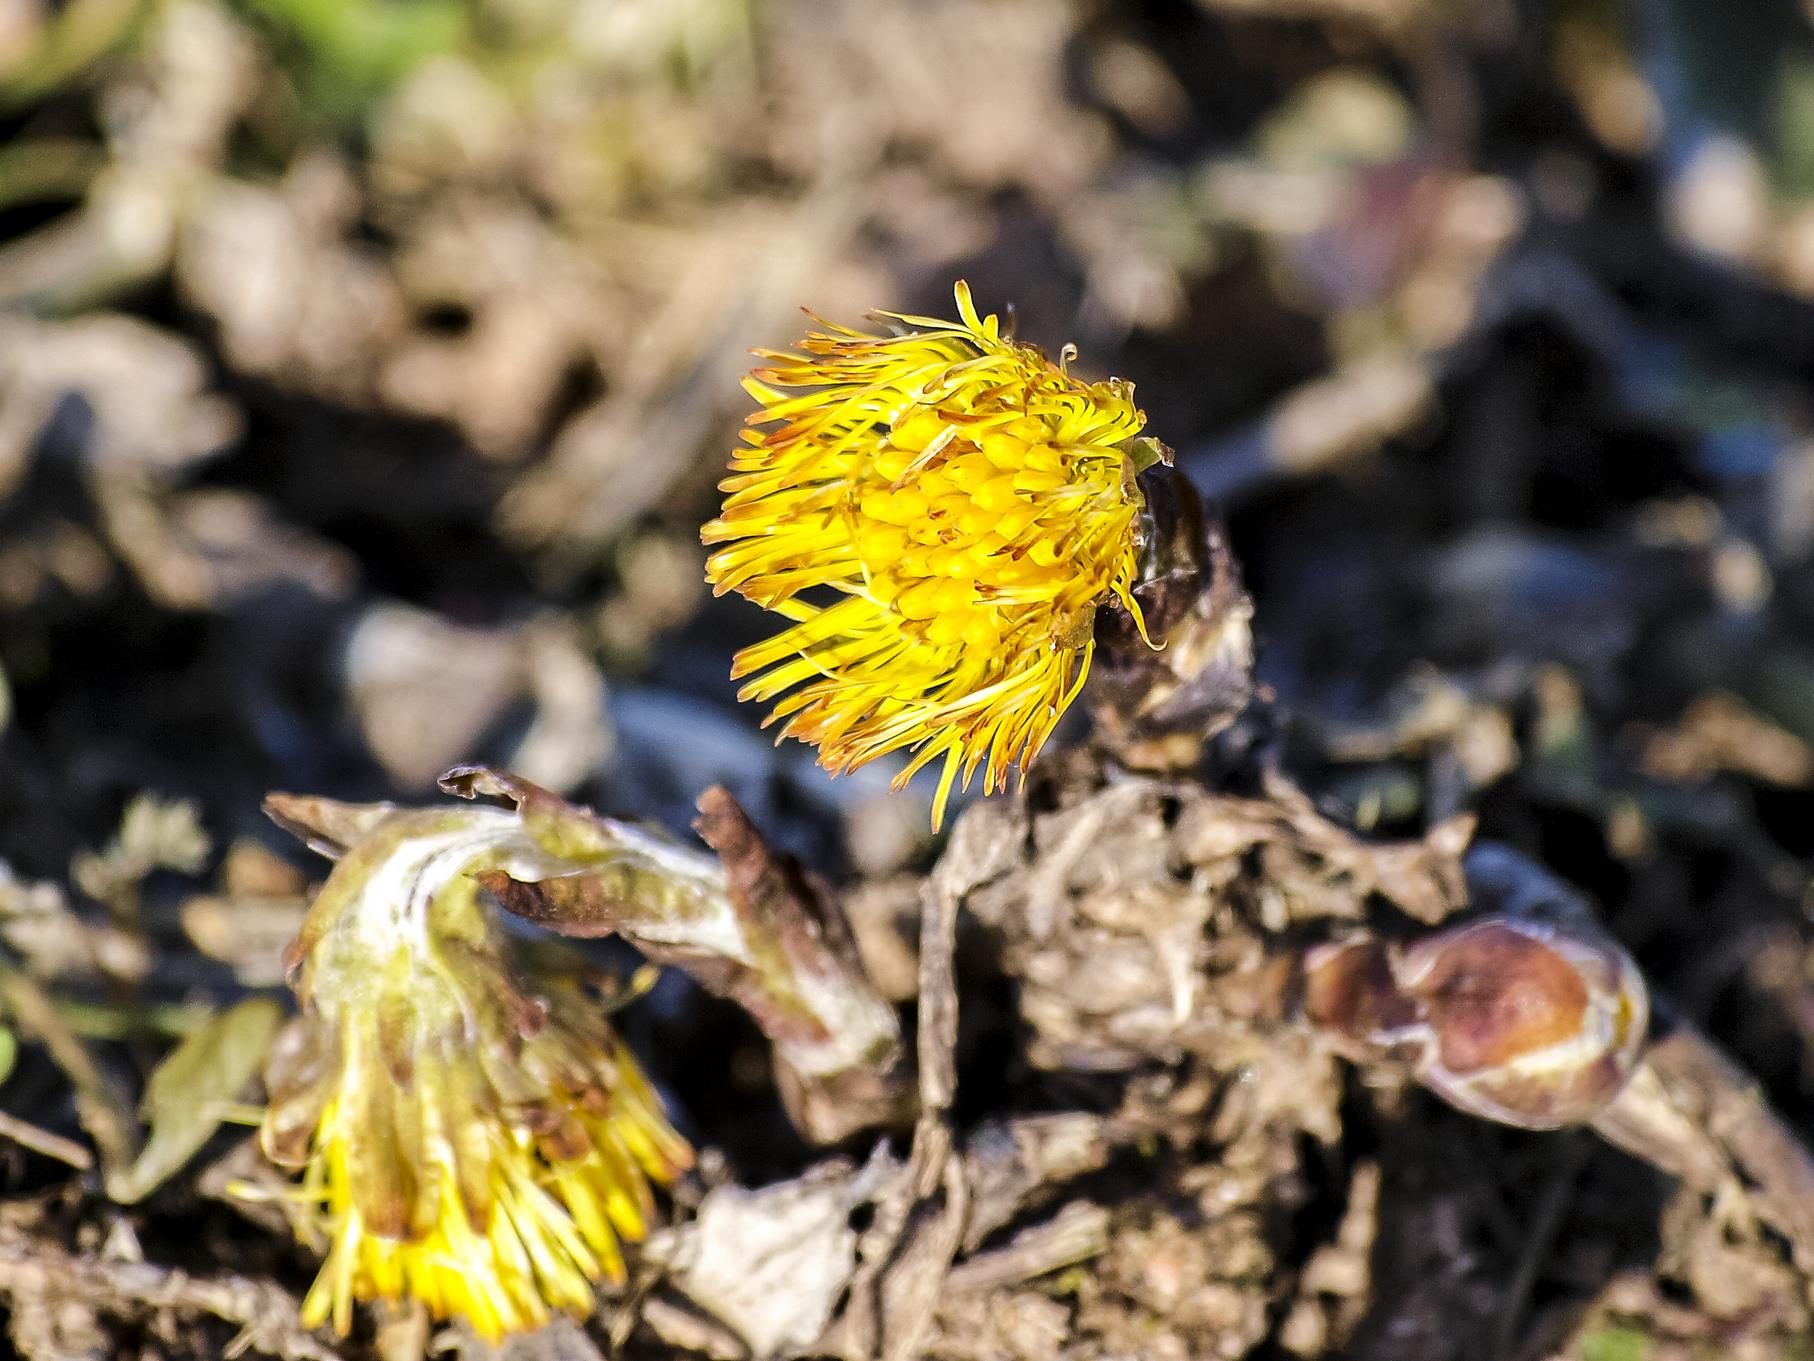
[470,1134]
[965,503]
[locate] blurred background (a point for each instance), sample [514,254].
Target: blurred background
[367,366]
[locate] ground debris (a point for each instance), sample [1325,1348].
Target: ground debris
[770,1264]
[59,1302]
[1138,921]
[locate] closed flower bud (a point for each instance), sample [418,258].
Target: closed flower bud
[1527,1021]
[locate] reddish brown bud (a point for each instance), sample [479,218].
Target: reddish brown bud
[1530,1022]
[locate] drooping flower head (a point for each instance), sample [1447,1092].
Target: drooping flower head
[470,1133]
[965,504]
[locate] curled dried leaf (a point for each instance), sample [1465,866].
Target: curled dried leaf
[750,927]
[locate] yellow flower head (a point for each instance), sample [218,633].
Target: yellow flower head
[966,502]
[469,1135]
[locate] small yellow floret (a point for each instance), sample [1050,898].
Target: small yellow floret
[531,1233]
[965,503]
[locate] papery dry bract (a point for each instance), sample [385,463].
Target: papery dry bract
[969,504]
[1156,706]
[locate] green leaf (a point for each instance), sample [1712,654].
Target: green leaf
[1614,1344]
[195,1088]
[352,51]
[78,34]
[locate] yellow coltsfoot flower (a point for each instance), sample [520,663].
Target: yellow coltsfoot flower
[967,502]
[469,1134]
